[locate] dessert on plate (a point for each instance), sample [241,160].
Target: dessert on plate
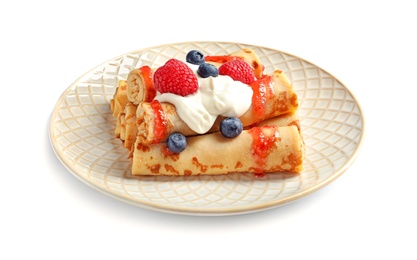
[209,115]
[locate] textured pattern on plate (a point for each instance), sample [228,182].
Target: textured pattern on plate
[82,136]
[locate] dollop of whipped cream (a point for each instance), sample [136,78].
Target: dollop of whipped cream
[216,96]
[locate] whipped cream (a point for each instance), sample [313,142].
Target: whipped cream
[216,96]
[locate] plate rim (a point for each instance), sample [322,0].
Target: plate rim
[241,209]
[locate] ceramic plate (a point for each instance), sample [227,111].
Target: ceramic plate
[81,132]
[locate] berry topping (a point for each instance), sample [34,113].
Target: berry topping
[238,70]
[206,70]
[147,76]
[195,57]
[176,142]
[231,127]
[175,77]
[222,58]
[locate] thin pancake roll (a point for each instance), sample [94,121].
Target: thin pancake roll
[119,100]
[273,95]
[128,128]
[139,86]
[260,149]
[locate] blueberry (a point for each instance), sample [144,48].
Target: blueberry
[231,127]
[195,57]
[206,70]
[176,142]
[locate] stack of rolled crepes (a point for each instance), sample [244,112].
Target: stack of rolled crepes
[270,142]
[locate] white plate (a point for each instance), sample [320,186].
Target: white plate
[81,131]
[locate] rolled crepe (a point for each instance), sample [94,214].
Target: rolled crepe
[260,150]
[130,127]
[126,128]
[119,101]
[140,85]
[273,96]
[118,128]
[121,126]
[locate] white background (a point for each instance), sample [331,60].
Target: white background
[367,213]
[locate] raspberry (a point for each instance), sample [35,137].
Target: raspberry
[238,70]
[175,77]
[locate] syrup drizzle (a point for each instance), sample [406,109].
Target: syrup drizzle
[261,90]
[261,146]
[222,58]
[147,75]
[160,121]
